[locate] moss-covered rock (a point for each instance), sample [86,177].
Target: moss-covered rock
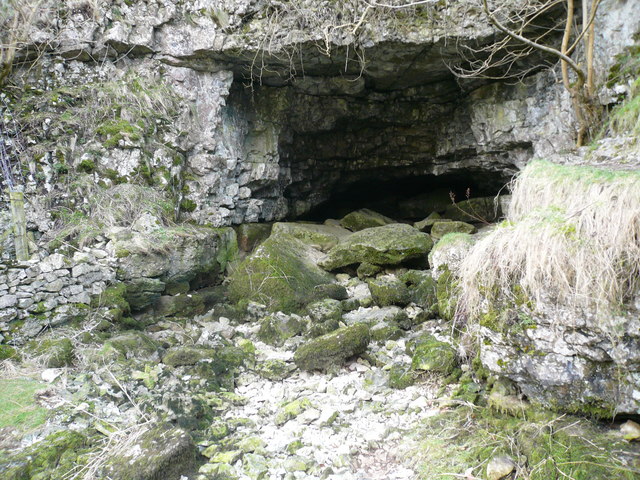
[275,329]
[143,291]
[388,245]
[481,209]
[381,332]
[250,235]
[432,355]
[367,270]
[440,228]
[401,376]
[163,452]
[449,251]
[333,348]
[425,224]
[50,459]
[364,218]
[447,293]
[130,344]
[183,305]
[291,410]
[325,310]
[389,290]
[422,290]
[322,237]
[274,369]
[57,352]
[187,355]
[279,274]
[334,291]
[114,299]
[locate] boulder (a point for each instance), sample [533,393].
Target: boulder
[481,209]
[143,291]
[448,252]
[422,289]
[364,218]
[250,235]
[388,245]
[367,270]
[131,344]
[278,327]
[324,310]
[163,452]
[440,228]
[425,224]
[280,274]
[432,355]
[333,348]
[389,290]
[187,355]
[183,305]
[322,237]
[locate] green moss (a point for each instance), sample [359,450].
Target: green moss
[291,410]
[116,130]
[278,275]
[447,294]
[188,205]
[401,377]
[460,442]
[333,348]
[433,355]
[86,166]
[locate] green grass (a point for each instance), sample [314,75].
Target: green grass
[18,409]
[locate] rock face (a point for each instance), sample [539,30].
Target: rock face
[292,142]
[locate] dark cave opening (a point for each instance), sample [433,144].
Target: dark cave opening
[408,199]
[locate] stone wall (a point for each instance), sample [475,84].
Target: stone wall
[50,291]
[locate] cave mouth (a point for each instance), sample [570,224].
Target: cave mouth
[410,198]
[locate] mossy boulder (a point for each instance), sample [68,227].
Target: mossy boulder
[275,329]
[322,237]
[422,290]
[323,310]
[481,209]
[449,251]
[143,291]
[447,293]
[440,228]
[291,410]
[389,290]
[50,459]
[274,369]
[250,235]
[388,245]
[333,348]
[280,274]
[401,376]
[425,224]
[114,299]
[367,270]
[57,352]
[432,355]
[364,218]
[381,332]
[183,305]
[163,452]
[131,344]
[187,355]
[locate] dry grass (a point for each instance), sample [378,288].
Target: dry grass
[105,208]
[579,246]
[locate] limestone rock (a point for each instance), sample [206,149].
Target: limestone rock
[325,310]
[183,305]
[389,290]
[143,291]
[333,348]
[433,355]
[163,452]
[322,237]
[366,270]
[250,235]
[440,228]
[500,467]
[280,273]
[186,355]
[425,224]
[630,430]
[278,327]
[448,252]
[388,245]
[131,344]
[422,290]
[364,218]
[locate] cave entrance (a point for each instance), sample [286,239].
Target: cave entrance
[410,198]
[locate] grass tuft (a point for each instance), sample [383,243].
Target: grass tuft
[581,243]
